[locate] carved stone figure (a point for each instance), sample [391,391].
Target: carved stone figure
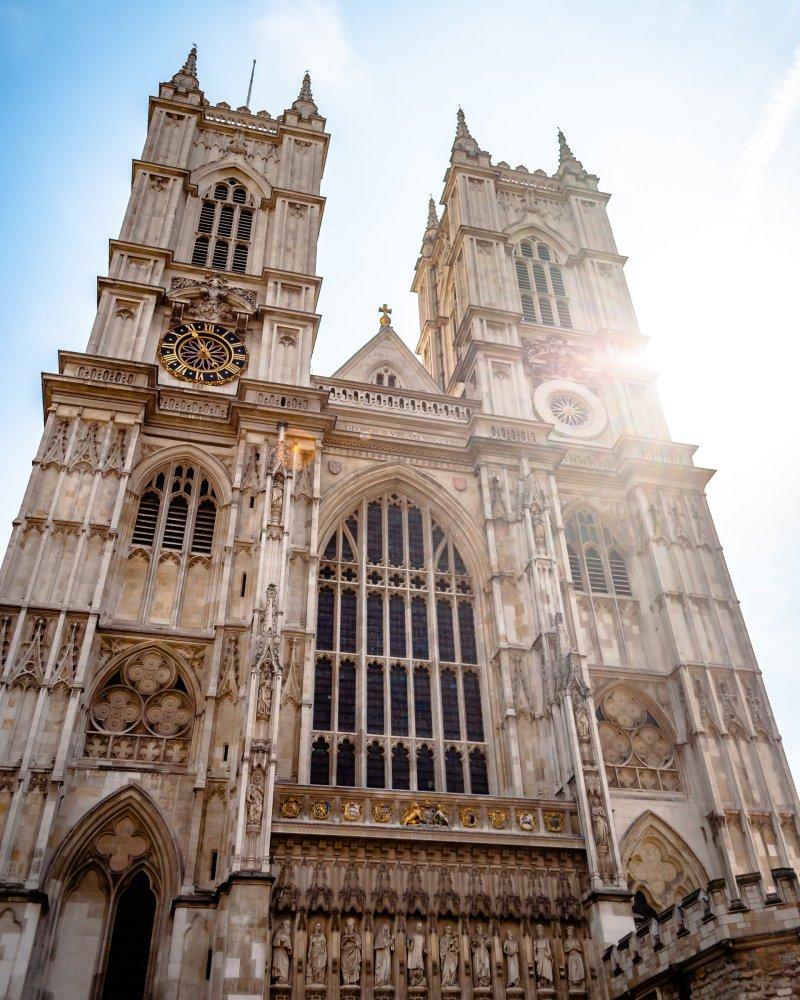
[416,948]
[497,499]
[542,958]
[481,963]
[255,799]
[317,961]
[281,953]
[448,957]
[511,951]
[600,827]
[576,970]
[350,953]
[582,723]
[384,946]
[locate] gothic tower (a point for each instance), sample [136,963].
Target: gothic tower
[418,680]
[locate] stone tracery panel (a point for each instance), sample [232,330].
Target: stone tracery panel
[638,752]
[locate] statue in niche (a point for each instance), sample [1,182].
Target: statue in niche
[350,953]
[255,799]
[542,958]
[576,970]
[582,723]
[384,946]
[497,500]
[448,957]
[481,962]
[317,961]
[600,827]
[281,953]
[415,946]
[511,951]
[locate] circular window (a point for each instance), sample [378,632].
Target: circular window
[571,408]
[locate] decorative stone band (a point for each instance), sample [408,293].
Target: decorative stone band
[438,814]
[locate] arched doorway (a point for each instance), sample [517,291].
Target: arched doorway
[129,950]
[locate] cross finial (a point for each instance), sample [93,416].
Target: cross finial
[386,314]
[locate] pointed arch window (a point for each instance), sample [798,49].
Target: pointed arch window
[540,280]
[411,686]
[176,520]
[595,560]
[225,228]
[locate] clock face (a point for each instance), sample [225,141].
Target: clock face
[205,353]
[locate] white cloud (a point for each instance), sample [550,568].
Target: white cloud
[766,140]
[308,34]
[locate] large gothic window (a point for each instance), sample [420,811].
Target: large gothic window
[541,284]
[166,576]
[224,228]
[397,656]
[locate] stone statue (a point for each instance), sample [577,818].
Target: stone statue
[384,946]
[600,828]
[511,951]
[542,958]
[415,946]
[582,723]
[576,970]
[281,953]
[350,953]
[255,799]
[448,957]
[317,961]
[497,500]
[481,963]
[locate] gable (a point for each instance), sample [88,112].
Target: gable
[386,349]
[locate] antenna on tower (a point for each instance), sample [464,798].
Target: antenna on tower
[250,88]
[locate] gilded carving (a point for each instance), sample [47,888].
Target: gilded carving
[289,807]
[320,809]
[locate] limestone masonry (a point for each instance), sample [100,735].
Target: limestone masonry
[425,679]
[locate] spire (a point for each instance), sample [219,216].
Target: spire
[464,140]
[433,218]
[305,99]
[186,77]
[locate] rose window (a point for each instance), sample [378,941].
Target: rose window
[637,752]
[141,713]
[569,410]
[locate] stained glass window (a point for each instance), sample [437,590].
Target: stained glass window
[347,697]
[401,775]
[375,698]
[376,769]
[346,764]
[454,770]
[398,685]
[478,775]
[320,762]
[381,672]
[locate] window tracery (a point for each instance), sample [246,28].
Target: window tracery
[637,751]
[224,227]
[595,560]
[541,284]
[142,711]
[386,377]
[172,543]
[397,656]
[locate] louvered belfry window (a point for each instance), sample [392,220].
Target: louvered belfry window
[596,563]
[224,228]
[540,279]
[178,511]
[398,656]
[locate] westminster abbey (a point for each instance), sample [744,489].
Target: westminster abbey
[424,679]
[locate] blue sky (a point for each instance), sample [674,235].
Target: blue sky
[688,112]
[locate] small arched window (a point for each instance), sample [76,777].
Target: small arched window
[595,561]
[387,378]
[540,279]
[224,228]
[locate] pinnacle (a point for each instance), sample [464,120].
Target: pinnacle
[462,129]
[564,152]
[433,219]
[305,97]
[189,68]
[305,91]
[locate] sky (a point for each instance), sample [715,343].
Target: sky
[689,112]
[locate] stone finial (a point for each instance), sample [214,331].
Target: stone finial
[433,218]
[464,139]
[305,99]
[564,152]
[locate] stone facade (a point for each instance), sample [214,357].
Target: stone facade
[418,680]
